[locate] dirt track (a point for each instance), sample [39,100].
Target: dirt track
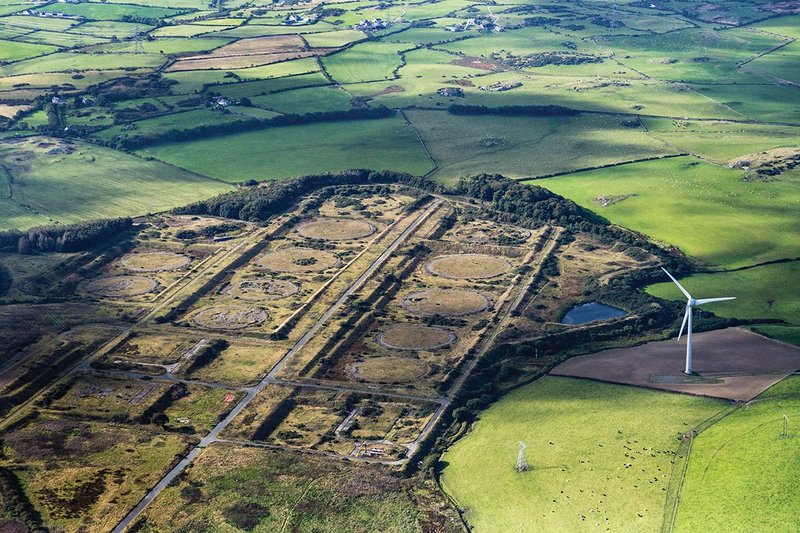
[733,363]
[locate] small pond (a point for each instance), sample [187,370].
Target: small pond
[591,312]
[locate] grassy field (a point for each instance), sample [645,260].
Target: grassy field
[276,153]
[758,296]
[90,182]
[364,62]
[301,101]
[108,11]
[708,212]
[166,45]
[702,138]
[600,456]
[742,473]
[696,54]
[182,120]
[526,146]
[63,61]
[13,51]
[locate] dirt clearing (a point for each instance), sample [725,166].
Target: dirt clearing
[732,363]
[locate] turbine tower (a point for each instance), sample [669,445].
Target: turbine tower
[687,317]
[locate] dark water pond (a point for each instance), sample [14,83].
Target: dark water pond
[591,312]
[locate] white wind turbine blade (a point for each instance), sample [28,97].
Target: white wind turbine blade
[684,291]
[711,300]
[685,320]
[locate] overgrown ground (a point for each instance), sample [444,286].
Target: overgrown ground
[233,488]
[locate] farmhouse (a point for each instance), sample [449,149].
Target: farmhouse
[372,25]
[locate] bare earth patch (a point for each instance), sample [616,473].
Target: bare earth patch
[230,317]
[490,233]
[390,369]
[468,266]
[190,222]
[261,289]
[335,229]
[732,363]
[446,302]
[121,286]
[160,261]
[415,337]
[389,90]
[297,259]
[480,63]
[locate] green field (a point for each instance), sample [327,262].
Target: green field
[171,45]
[742,473]
[467,145]
[758,295]
[91,182]
[64,61]
[675,60]
[104,11]
[181,120]
[13,51]
[707,211]
[693,55]
[275,153]
[702,138]
[580,437]
[365,62]
[301,101]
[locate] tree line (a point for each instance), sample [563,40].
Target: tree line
[259,203]
[62,238]
[143,139]
[513,110]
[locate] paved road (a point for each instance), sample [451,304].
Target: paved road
[251,392]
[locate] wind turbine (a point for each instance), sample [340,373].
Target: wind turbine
[687,317]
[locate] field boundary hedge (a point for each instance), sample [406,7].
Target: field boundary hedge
[141,140]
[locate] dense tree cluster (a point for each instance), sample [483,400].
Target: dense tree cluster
[209,231]
[513,110]
[5,280]
[20,514]
[527,201]
[66,238]
[130,88]
[262,202]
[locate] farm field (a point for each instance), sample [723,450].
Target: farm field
[743,222]
[62,182]
[465,145]
[277,153]
[744,459]
[599,455]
